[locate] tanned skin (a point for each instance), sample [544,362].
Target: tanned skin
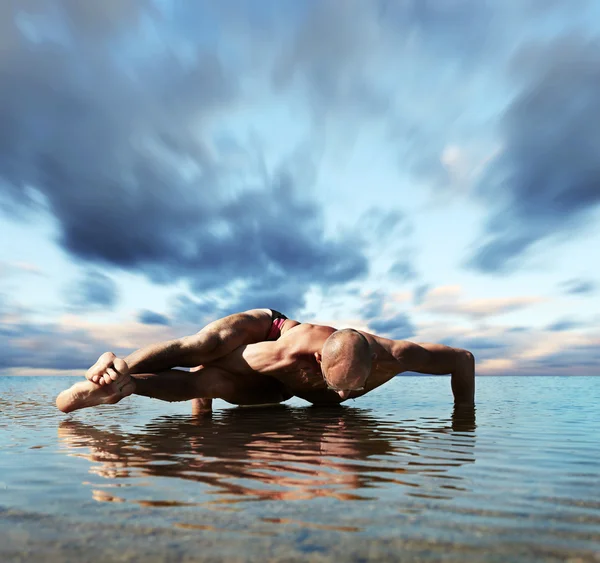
[295,361]
[255,372]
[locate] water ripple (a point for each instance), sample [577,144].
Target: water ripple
[381,470]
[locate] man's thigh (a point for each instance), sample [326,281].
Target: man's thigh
[222,336]
[249,389]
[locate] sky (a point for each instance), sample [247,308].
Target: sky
[425,170]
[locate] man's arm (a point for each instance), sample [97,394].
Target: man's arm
[437,359]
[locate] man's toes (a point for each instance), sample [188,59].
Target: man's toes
[121,366]
[106,359]
[111,375]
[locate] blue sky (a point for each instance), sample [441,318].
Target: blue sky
[422,169]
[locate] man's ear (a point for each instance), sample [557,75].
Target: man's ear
[373,357]
[318,357]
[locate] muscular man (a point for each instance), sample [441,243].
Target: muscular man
[317,363]
[214,341]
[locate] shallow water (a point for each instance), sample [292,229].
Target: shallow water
[397,475]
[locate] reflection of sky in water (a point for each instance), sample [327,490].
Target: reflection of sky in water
[398,464]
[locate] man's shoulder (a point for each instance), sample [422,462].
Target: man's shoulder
[306,337]
[311,328]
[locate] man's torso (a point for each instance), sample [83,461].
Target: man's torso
[292,361]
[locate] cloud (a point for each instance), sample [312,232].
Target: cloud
[507,350]
[94,290]
[398,327]
[373,305]
[578,359]
[70,344]
[446,300]
[134,173]
[8,269]
[379,312]
[544,184]
[384,223]
[483,347]
[402,270]
[49,346]
[579,287]
[285,294]
[564,324]
[152,318]
[420,292]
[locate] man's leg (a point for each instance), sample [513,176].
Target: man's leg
[214,341]
[176,385]
[211,383]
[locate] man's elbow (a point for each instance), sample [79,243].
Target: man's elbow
[466,356]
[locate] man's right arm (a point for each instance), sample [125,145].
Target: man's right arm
[437,359]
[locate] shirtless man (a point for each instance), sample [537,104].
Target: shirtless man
[317,363]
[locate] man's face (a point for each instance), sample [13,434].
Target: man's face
[345,376]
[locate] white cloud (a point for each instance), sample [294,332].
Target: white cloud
[447,300]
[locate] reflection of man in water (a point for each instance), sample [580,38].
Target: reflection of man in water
[294,454]
[260,356]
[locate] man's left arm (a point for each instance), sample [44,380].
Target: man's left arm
[437,359]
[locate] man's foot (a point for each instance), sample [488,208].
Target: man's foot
[87,394]
[107,369]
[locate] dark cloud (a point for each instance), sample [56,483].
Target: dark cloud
[402,270]
[101,18]
[564,324]
[94,290]
[148,317]
[372,311]
[579,287]
[420,292]
[373,305]
[398,327]
[198,312]
[328,56]
[483,348]
[123,154]
[574,360]
[26,344]
[272,291]
[461,28]
[546,181]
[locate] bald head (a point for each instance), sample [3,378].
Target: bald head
[346,359]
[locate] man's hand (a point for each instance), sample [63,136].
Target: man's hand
[463,378]
[107,369]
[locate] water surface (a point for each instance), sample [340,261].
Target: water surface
[396,475]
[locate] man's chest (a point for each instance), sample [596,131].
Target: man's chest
[303,373]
